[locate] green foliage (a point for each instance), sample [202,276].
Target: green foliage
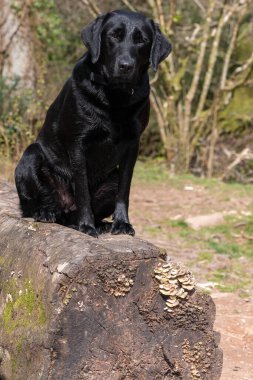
[151,145]
[244,45]
[21,112]
[239,113]
[16,6]
[49,29]
[14,106]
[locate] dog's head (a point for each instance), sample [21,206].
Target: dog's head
[123,44]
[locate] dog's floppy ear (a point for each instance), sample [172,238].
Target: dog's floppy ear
[160,48]
[91,37]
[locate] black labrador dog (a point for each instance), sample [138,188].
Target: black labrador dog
[79,169]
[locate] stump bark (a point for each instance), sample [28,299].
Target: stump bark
[75,307]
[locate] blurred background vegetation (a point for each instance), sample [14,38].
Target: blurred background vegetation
[202,109]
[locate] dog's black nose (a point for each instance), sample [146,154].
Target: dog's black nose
[125,66]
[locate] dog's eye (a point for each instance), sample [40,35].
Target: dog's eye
[138,38]
[118,34]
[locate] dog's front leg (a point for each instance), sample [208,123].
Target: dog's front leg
[85,217]
[121,224]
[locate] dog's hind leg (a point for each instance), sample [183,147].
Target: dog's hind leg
[37,196]
[103,201]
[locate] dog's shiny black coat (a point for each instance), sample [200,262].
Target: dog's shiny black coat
[79,169]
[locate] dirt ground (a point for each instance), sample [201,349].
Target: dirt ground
[152,205]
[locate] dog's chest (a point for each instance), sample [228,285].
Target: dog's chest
[104,149]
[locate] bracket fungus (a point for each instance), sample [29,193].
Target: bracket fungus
[119,286]
[175,283]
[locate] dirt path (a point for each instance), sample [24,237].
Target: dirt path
[152,205]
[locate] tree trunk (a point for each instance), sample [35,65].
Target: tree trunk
[75,307]
[16,46]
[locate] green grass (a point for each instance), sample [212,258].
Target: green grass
[220,239]
[178,223]
[249,228]
[227,239]
[231,249]
[151,171]
[232,279]
[157,171]
[179,227]
[206,256]
[152,230]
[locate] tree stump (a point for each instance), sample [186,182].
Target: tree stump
[75,307]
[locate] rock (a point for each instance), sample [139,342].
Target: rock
[200,221]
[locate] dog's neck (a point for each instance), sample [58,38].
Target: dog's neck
[99,79]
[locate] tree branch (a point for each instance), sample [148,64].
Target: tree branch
[200,5]
[160,14]
[192,90]
[172,11]
[228,54]
[129,5]
[154,9]
[248,66]
[92,7]
[226,14]
[160,119]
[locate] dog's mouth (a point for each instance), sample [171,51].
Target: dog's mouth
[119,80]
[123,86]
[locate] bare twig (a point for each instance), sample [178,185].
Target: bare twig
[160,13]
[160,119]
[154,9]
[129,5]
[191,93]
[245,70]
[196,77]
[200,5]
[92,7]
[172,11]
[246,154]
[154,80]
[225,16]
[214,136]
[228,54]
[247,237]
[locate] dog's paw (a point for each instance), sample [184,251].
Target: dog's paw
[44,216]
[119,227]
[88,230]
[104,227]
